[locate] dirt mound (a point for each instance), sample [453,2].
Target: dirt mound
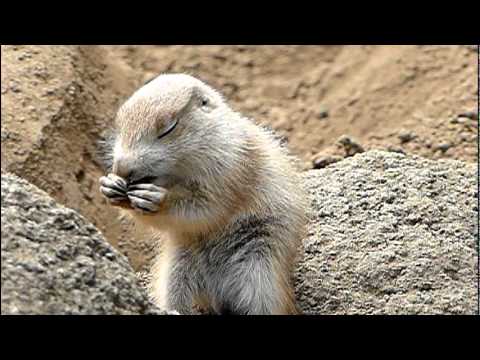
[56,100]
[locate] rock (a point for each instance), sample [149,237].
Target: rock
[460,120]
[390,234]
[323,161]
[472,115]
[144,278]
[443,147]
[465,136]
[406,136]
[350,145]
[55,262]
[397,149]
[322,113]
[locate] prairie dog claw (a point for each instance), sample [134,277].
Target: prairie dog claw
[145,198]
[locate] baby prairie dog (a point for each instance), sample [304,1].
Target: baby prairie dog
[222,191]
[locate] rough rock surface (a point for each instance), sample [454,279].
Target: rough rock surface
[391,234]
[56,262]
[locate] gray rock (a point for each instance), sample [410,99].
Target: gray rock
[406,136]
[55,262]
[444,146]
[397,149]
[390,234]
[322,113]
[323,161]
[350,145]
[472,115]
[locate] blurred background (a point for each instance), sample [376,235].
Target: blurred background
[327,102]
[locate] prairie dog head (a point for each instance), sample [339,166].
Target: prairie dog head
[175,128]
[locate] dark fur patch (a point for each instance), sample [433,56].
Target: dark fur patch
[228,310]
[245,238]
[250,234]
[105,150]
[204,269]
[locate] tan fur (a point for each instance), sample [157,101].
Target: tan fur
[158,284]
[256,171]
[287,305]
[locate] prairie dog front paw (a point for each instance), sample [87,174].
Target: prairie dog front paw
[114,188]
[146,198]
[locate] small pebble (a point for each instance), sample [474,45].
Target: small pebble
[323,161]
[406,136]
[464,136]
[322,114]
[350,145]
[472,115]
[15,88]
[396,149]
[444,146]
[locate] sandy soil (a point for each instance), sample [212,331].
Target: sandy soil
[57,100]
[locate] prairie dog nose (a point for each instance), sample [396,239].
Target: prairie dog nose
[130,170]
[123,167]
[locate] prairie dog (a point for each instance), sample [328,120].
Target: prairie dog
[223,192]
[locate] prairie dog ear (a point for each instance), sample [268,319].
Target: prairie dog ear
[197,94]
[201,99]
